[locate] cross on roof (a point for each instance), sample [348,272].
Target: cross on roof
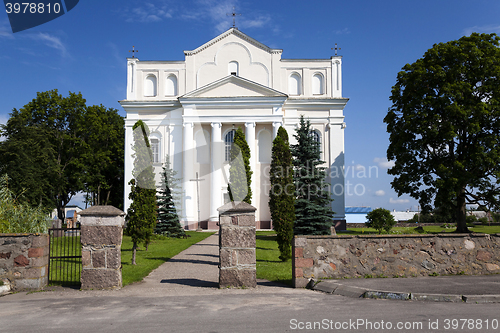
[336,48]
[233,14]
[133,51]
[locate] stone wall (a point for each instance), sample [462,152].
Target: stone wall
[24,260]
[319,257]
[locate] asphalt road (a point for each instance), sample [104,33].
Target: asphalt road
[281,310]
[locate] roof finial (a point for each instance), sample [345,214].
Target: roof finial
[233,14]
[336,48]
[133,51]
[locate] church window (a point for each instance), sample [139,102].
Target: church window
[228,144]
[318,84]
[155,149]
[316,136]
[233,68]
[171,85]
[294,84]
[150,86]
[265,148]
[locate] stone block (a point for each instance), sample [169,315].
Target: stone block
[246,257]
[101,235]
[300,241]
[492,267]
[113,258]
[237,278]
[246,220]
[39,262]
[299,272]
[483,255]
[237,237]
[33,273]
[304,262]
[101,279]
[21,261]
[298,252]
[225,219]
[5,255]
[99,259]
[300,282]
[86,258]
[225,256]
[36,252]
[40,240]
[29,284]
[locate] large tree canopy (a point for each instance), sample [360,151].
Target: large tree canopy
[444,126]
[56,146]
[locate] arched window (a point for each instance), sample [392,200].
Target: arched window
[294,84]
[265,147]
[228,144]
[318,84]
[171,85]
[155,149]
[316,136]
[233,68]
[150,86]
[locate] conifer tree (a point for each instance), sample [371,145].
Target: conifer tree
[240,175]
[141,216]
[313,213]
[167,199]
[282,193]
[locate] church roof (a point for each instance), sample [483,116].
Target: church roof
[241,87]
[232,31]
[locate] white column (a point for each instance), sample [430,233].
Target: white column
[190,210]
[276,126]
[336,163]
[129,165]
[250,137]
[216,171]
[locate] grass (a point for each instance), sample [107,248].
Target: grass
[65,271]
[160,250]
[438,228]
[269,266]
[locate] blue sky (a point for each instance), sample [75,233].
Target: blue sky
[85,51]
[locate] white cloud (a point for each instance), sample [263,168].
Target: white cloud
[398,201]
[482,29]
[344,31]
[383,162]
[50,41]
[5,29]
[149,12]
[380,193]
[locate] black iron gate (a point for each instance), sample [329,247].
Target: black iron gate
[65,256]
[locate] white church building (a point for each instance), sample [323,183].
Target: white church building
[193,107]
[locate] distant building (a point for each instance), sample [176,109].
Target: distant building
[403,216]
[356,214]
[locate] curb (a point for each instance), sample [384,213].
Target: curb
[335,288]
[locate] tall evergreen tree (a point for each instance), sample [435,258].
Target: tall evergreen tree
[240,175]
[282,193]
[141,216]
[313,212]
[168,197]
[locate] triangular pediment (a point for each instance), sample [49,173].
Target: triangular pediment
[233,86]
[236,32]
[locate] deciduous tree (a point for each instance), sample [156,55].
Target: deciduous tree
[444,126]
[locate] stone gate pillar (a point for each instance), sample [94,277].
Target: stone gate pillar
[237,245]
[101,238]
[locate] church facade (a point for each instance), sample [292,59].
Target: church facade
[193,107]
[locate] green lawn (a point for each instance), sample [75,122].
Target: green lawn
[160,250]
[438,228]
[269,266]
[65,271]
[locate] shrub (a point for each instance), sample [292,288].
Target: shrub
[16,217]
[380,219]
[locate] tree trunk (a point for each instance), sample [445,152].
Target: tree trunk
[134,249]
[461,212]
